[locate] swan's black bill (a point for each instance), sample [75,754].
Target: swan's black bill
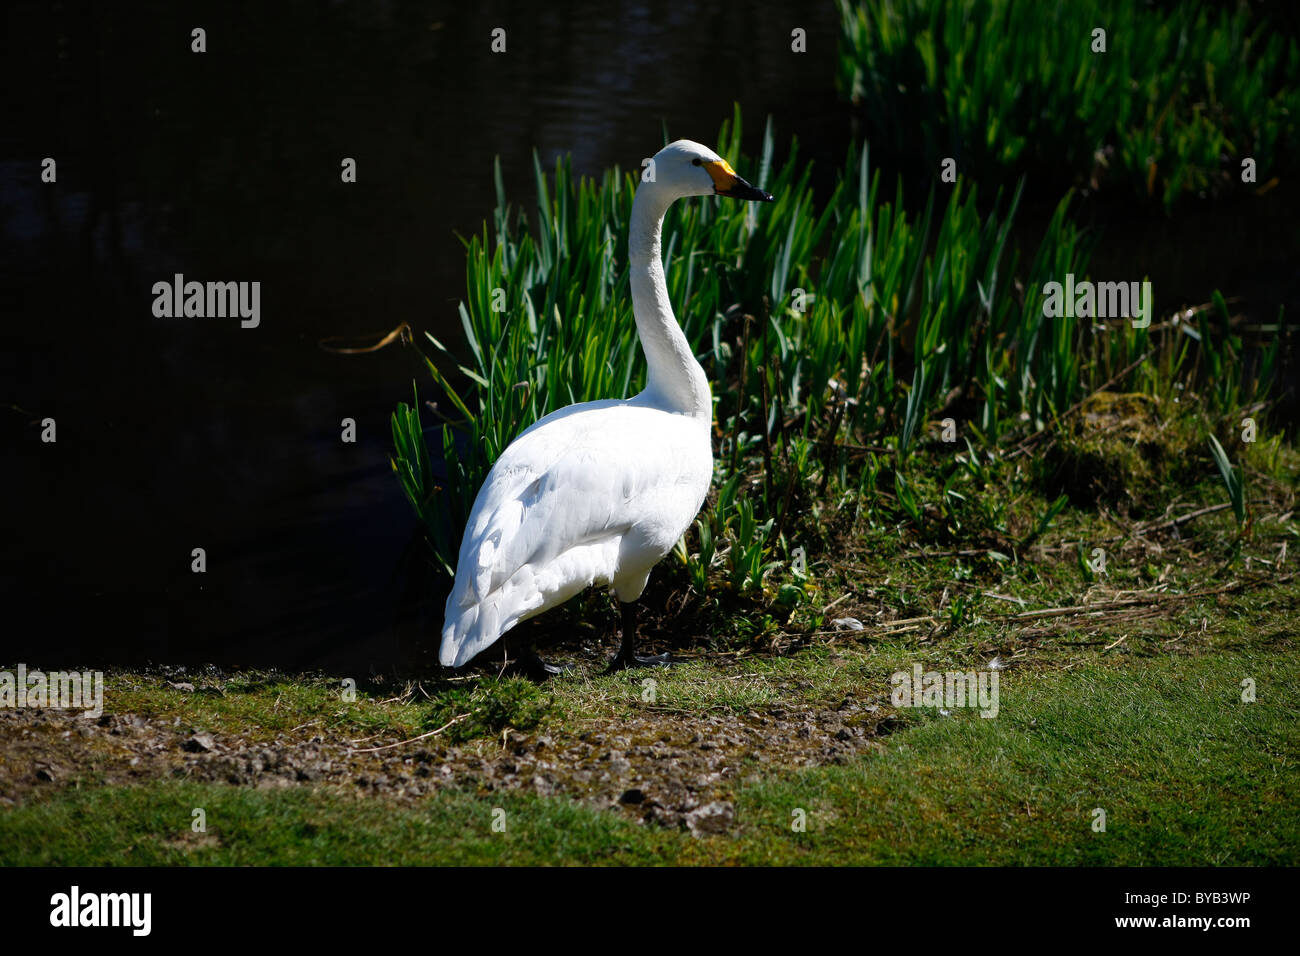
[739,189]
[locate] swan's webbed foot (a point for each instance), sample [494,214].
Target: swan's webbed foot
[529,665]
[621,662]
[627,656]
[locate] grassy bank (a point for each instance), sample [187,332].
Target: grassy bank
[1185,772]
[1158,689]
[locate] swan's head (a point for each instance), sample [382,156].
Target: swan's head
[685,169]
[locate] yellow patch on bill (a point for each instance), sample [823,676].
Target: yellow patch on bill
[724,177]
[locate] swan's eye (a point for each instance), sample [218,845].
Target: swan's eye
[697,161]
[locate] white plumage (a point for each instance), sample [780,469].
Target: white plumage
[598,493]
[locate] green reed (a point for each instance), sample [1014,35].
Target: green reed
[1181,95]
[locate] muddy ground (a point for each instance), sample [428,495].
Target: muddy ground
[657,766]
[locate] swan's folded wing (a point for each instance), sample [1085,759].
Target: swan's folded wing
[534,511]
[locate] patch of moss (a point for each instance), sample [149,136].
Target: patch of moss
[1117,448]
[489,708]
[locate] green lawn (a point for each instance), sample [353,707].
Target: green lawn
[1186,773]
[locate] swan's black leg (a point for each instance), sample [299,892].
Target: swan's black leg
[627,656]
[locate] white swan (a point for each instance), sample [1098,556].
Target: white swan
[599,492]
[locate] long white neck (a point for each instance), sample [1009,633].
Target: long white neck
[675,382]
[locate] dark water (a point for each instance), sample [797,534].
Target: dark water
[181,433]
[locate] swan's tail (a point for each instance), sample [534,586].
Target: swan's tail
[468,630]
